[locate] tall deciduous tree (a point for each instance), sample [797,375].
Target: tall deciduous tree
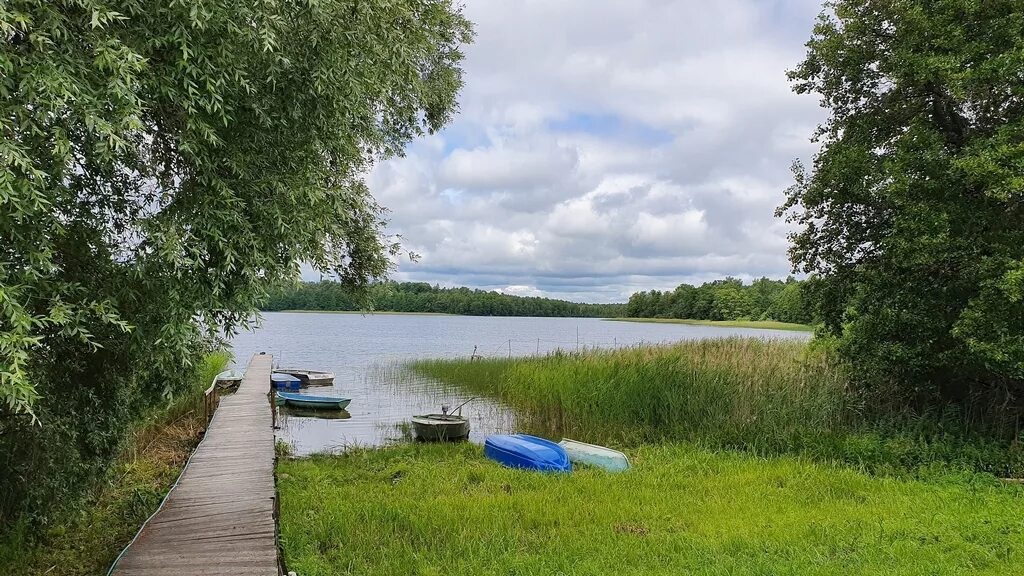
[163,162]
[913,214]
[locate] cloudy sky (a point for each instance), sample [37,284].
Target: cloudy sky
[605,147]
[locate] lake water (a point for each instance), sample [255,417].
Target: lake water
[366,353]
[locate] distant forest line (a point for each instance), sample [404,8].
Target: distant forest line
[728,299]
[423,297]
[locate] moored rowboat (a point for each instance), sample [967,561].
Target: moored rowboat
[309,377]
[525,451]
[285,382]
[440,427]
[309,401]
[593,455]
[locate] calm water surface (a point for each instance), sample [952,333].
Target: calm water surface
[366,354]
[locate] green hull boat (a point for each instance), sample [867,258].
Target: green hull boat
[312,402]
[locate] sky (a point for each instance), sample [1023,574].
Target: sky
[608,146]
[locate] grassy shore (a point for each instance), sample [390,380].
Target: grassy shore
[87,543]
[707,425]
[762,324]
[444,509]
[766,397]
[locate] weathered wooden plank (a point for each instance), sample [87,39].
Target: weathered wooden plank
[219,520]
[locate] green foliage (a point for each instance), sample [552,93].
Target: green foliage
[912,218]
[766,397]
[422,297]
[727,299]
[162,165]
[85,541]
[445,509]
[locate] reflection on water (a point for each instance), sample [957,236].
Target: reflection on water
[367,354]
[382,404]
[284,413]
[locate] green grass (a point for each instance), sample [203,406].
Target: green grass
[763,324]
[767,397]
[445,510]
[86,543]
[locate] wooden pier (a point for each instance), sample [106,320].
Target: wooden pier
[219,519]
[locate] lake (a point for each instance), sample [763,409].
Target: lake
[366,354]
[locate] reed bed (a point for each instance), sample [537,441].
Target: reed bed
[765,396]
[750,390]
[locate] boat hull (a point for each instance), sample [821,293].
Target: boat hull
[285,382]
[308,377]
[439,427]
[593,455]
[527,452]
[229,379]
[313,402]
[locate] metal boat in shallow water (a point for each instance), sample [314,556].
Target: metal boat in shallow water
[528,452]
[309,377]
[593,455]
[310,401]
[440,427]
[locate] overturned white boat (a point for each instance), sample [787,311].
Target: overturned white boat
[593,455]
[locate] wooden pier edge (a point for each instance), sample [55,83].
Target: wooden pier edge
[220,518]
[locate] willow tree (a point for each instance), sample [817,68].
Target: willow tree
[161,164]
[912,217]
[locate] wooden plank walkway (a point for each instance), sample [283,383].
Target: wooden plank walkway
[219,520]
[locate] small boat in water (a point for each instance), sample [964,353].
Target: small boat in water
[309,377]
[440,427]
[229,378]
[528,452]
[315,402]
[285,382]
[593,455]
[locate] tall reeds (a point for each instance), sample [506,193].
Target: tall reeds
[764,396]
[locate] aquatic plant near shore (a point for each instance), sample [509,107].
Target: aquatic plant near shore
[764,396]
[731,388]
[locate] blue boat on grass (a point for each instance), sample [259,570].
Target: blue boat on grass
[315,402]
[527,452]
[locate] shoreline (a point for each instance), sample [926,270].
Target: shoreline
[361,312]
[754,324]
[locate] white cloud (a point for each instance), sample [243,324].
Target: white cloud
[520,290]
[607,147]
[503,167]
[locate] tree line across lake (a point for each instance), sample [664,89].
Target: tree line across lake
[727,299]
[424,298]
